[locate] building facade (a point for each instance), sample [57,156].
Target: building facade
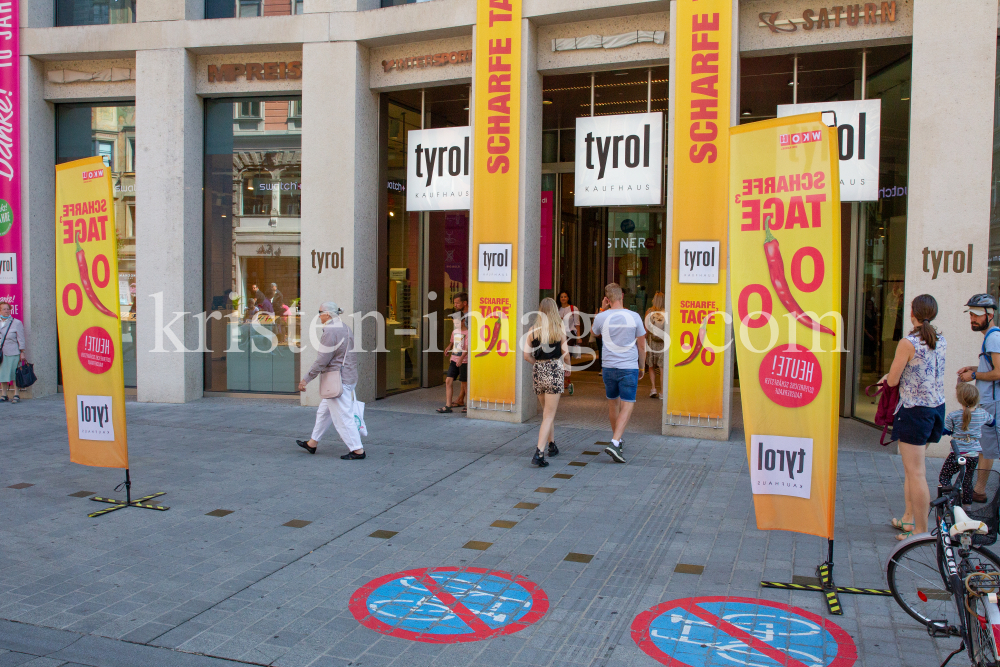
[259,155]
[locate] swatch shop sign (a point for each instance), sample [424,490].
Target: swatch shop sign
[619,160]
[858,133]
[437,170]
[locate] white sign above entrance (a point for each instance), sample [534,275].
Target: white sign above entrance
[619,160]
[437,170]
[858,129]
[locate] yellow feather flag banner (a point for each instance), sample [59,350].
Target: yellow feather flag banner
[784,234]
[88,316]
[695,379]
[495,187]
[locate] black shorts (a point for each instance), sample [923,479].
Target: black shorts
[456,372]
[918,425]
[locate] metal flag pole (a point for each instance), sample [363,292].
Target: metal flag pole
[138,502]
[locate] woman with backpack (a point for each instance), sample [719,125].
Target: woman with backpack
[656,324]
[918,370]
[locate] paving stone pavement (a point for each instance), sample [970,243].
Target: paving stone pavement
[139,587]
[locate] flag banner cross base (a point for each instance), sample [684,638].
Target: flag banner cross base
[128,502]
[826,586]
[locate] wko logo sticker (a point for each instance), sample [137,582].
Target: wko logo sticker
[781,466]
[789,140]
[94,173]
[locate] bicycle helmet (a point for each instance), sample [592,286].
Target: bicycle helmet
[982,301]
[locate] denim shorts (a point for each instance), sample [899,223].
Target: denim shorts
[918,425]
[621,383]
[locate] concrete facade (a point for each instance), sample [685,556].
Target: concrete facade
[342,44]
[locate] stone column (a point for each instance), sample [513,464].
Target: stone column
[168,244]
[38,214]
[951,156]
[529,223]
[340,197]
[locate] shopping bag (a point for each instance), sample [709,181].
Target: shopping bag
[24,376]
[359,415]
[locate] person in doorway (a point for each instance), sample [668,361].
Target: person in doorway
[981,309]
[623,362]
[918,369]
[570,315]
[262,301]
[458,364]
[12,346]
[547,350]
[656,324]
[278,304]
[336,353]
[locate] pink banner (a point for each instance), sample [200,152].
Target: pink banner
[545,255]
[10,161]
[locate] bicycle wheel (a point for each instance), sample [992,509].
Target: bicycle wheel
[984,646]
[915,576]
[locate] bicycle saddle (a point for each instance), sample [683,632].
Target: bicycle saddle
[963,524]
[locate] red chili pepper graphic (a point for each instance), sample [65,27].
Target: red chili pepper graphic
[776,267]
[696,349]
[493,339]
[81,262]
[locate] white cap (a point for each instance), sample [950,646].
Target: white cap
[330,307]
[975,310]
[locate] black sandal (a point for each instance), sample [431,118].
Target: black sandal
[444,410]
[304,444]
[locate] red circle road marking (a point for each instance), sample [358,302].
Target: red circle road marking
[480,630]
[846,655]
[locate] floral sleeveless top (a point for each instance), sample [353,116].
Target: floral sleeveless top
[922,381]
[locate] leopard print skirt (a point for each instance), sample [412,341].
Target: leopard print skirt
[547,377]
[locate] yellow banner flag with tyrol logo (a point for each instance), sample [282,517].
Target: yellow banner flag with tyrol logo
[90,349]
[784,234]
[495,204]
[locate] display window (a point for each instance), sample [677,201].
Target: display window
[253,194]
[94,12]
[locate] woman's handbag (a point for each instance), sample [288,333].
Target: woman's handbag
[330,385]
[24,376]
[886,411]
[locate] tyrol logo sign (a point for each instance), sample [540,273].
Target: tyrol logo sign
[619,160]
[437,170]
[858,135]
[781,466]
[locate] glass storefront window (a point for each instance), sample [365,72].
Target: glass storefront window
[392,3]
[993,265]
[94,12]
[881,315]
[227,9]
[253,167]
[84,130]
[428,263]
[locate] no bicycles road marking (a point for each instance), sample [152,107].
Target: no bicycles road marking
[715,631]
[448,605]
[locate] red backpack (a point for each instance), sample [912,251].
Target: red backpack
[886,411]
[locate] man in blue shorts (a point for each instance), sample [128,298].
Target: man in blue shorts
[624,350]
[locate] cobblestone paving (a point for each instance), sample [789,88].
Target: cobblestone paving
[183,587]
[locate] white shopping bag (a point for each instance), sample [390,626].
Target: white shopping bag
[358,408]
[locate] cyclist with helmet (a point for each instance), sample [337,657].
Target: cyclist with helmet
[981,309]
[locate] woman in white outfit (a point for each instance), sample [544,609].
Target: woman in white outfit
[336,352]
[12,343]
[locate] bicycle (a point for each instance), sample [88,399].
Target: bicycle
[947,580]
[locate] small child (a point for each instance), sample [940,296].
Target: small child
[965,427]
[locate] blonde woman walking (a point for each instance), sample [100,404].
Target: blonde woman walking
[656,325]
[547,349]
